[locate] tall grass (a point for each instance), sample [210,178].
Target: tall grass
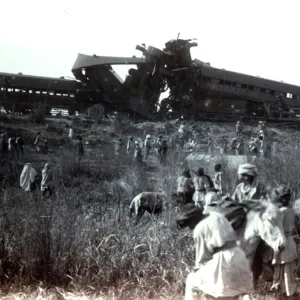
[83,237]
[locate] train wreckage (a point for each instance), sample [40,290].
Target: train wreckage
[196,89]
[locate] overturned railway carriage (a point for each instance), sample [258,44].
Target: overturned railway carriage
[20,93]
[196,90]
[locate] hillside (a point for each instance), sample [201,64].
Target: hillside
[81,240]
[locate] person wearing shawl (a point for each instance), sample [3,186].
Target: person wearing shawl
[284,264]
[185,189]
[27,178]
[47,180]
[221,267]
[248,188]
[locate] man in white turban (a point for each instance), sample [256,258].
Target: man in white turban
[249,188]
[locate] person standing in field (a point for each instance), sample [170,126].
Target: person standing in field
[147,145]
[238,130]
[201,185]
[249,188]
[37,142]
[28,178]
[12,146]
[218,179]
[185,188]
[163,152]
[221,269]
[224,145]
[4,146]
[284,281]
[71,133]
[119,147]
[47,180]
[138,155]
[130,147]
[210,146]
[20,145]
[78,148]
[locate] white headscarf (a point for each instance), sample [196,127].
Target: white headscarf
[248,169]
[27,177]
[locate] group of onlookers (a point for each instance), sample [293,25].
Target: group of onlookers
[212,231]
[30,183]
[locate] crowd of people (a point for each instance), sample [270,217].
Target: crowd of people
[215,261]
[140,152]
[217,252]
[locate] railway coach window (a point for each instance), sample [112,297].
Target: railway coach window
[250,87]
[289,95]
[262,90]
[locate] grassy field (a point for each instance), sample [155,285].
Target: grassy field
[81,243]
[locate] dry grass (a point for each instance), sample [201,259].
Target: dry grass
[82,241]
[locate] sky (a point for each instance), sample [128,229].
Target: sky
[256,37]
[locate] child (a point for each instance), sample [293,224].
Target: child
[283,278]
[217,179]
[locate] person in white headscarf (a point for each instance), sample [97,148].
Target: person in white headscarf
[27,178]
[249,188]
[221,267]
[47,180]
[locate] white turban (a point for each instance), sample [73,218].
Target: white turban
[248,169]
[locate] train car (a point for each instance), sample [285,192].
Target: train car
[20,92]
[196,88]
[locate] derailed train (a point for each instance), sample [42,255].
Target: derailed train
[196,89]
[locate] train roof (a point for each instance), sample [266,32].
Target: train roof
[21,75]
[38,82]
[85,61]
[249,79]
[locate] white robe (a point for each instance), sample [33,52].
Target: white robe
[27,177]
[225,273]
